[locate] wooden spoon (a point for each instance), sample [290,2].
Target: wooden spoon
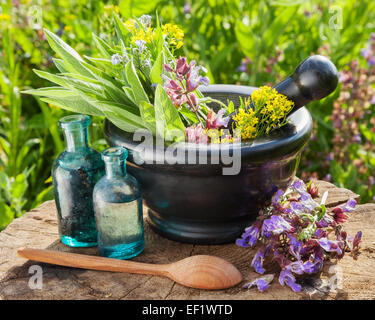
[201,271]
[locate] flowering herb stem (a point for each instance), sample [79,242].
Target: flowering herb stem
[294,231]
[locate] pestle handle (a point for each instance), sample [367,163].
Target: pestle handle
[315,78]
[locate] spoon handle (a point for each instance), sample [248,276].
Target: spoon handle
[82,261]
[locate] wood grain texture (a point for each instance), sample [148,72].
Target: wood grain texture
[38,229]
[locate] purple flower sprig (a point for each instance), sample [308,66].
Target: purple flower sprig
[262,283]
[299,234]
[369,52]
[181,84]
[186,80]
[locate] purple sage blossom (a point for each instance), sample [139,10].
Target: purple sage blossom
[319,233]
[218,120]
[339,216]
[366,53]
[276,199]
[295,247]
[175,91]
[331,245]
[369,53]
[307,13]
[297,185]
[313,265]
[357,239]
[339,212]
[187,79]
[344,76]
[278,232]
[275,225]
[194,79]
[286,278]
[250,236]
[262,283]
[244,66]
[349,205]
[297,207]
[196,134]
[258,259]
[187,8]
[296,267]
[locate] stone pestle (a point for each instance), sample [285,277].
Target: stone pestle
[314,79]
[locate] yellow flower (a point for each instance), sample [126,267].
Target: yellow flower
[179,44]
[146,35]
[110,7]
[267,111]
[214,135]
[219,136]
[131,25]
[246,121]
[262,96]
[4,16]
[70,17]
[173,30]
[225,136]
[174,34]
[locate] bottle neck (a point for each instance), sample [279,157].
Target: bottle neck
[115,169]
[76,138]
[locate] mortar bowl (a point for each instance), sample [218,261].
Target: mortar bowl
[197,203]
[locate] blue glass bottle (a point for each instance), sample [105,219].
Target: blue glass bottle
[75,173]
[118,208]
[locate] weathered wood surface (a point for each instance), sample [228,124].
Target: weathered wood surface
[38,229]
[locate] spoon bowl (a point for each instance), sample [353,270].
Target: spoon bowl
[205,272]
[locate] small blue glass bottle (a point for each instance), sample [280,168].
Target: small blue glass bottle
[118,208]
[74,174]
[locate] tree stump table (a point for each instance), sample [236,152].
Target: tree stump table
[344,279]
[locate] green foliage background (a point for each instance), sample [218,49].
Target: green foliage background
[219,34]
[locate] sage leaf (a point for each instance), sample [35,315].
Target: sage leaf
[148,116]
[122,118]
[73,102]
[157,69]
[134,82]
[102,46]
[51,77]
[50,92]
[169,125]
[73,61]
[120,28]
[322,211]
[307,232]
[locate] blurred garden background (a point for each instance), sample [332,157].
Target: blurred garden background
[243,42]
